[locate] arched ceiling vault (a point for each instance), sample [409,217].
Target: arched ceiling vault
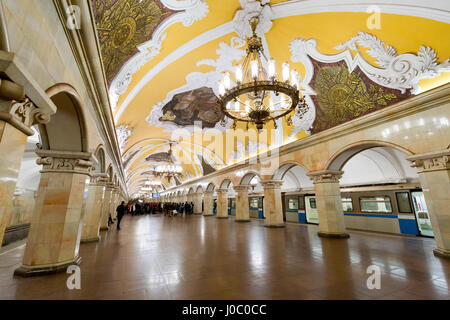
[163,59]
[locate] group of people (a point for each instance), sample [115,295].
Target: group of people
[172,208]
[136,208]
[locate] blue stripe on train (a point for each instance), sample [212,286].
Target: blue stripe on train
[408,226]
[302,217]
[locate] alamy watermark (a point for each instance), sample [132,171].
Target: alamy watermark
[73,17]
[74,281]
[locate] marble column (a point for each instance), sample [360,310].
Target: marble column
[197,199]
[17,115]
[242,205]
[93,209]
[55,232]
[113,203]
[222,203]
[208,203]
[273,209]
[105,207]
[434,175]
[329,203]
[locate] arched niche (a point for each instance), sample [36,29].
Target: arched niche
[101,160]
[199,189]
[67,129]
[211,187]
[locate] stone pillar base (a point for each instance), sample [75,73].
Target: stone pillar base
[441,253]
[242,220]
[208,215]
[95,239]
[275,225]
[104,228]
[25,271]
[222,217]
[333,235]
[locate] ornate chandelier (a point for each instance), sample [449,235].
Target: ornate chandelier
[258,96]
[169,170]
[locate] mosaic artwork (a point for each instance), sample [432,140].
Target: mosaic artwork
[342,95]
[191,106]
[124,24]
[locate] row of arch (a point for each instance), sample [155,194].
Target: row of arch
[392,158]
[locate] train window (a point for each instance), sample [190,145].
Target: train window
[301,203]
[404,206]
[347,204]
[312,203]
[376,204]
[293,203]
[254,203]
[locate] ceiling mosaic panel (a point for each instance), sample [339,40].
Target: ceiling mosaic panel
[124,24]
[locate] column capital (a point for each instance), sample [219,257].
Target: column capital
[209,193]
[64,161]
[222,191]
[18,110]
[432,161]
[325,176]
[241,188]
[99,179]
[272,184]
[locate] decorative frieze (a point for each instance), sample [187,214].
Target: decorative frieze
[241,188]
[63,161]
[99,179]
[20,113]
[432,161]
[325,176]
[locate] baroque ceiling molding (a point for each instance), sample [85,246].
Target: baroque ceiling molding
[435,10]
[250,9]
[191,11]
[401,72]
[123,134]
[227,54]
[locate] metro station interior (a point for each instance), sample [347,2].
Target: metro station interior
[310,140]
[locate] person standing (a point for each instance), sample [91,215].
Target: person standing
[120,212]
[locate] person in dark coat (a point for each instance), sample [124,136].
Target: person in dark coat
[120,212]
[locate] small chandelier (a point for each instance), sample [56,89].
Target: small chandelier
[169,170]
[258,96]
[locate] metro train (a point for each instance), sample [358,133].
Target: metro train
[394,209]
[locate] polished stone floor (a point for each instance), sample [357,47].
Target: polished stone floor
[155,257]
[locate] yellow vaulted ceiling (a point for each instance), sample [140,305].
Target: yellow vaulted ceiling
[404,32]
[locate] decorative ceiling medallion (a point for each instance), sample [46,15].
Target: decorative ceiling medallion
[142,49]
[342,96]
[401,72]
[180,108]
[250,9]
[122,25]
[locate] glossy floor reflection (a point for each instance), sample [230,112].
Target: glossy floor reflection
[208,258]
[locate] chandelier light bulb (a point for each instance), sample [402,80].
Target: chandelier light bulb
[221,88]
[236,106]
[271,69]
[271,104]
[285,72]
[238,74]
[229,105]
[254,68]
[227,81]
[247,106]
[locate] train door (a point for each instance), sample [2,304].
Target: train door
[283,206]
[215,206]
[311,210]
[421,213]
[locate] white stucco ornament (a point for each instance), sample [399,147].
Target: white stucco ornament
[250,9]
[123,133]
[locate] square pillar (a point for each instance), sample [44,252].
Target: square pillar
[105,207]
[55,232]
[208,203]
[197,199]
[93,210]
[272,204]
[17,115]
[222,204]
[329,203]
[434,174]
[113,203]
[242,204]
